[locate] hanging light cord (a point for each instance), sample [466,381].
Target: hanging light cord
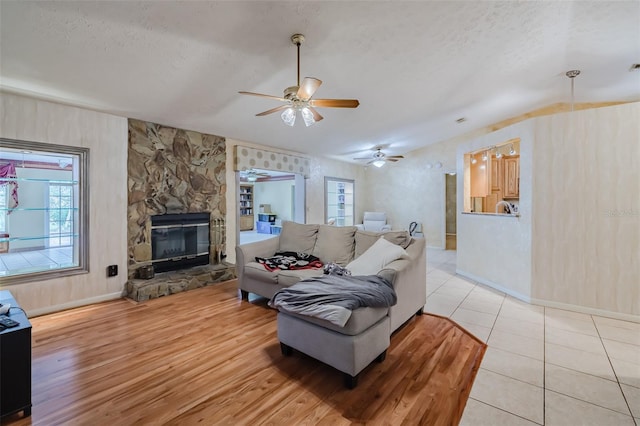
[572,74]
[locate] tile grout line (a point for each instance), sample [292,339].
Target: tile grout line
[496,320]
[505,411]
[614,371]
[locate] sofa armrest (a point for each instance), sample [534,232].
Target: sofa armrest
[360,226]
[246,253]
[410,283]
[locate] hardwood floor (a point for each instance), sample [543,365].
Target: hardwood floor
[205,357]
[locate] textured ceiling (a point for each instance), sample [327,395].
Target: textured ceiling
[415,66]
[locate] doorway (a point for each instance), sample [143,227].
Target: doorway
[266,198]
[450,211]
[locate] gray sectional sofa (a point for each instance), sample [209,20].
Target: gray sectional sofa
[366,335]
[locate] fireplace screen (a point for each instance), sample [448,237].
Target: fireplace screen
[179,241]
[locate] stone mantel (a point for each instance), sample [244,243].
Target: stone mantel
[172,171]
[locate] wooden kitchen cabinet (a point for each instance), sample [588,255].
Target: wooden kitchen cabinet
[511,167]
[480,178]
[497,176]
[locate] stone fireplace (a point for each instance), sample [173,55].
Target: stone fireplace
[174,172]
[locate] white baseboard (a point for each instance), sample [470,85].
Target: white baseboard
[550,303]
[495,286]
[74,304]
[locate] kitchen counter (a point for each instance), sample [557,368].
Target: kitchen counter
[493,214]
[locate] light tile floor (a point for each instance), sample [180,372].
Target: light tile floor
[26,261]
[247,237]
[543,366]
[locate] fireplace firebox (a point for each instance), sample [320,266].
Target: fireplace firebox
[179,241]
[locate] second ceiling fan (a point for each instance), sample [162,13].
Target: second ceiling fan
[379,158]
[299,97]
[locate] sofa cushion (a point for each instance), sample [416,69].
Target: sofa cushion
[335,244]
[289,278]
[257,271]
[379,255]
[298,237]
[360,320]
[365,239]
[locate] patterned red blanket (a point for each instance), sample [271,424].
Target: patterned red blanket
[287,260]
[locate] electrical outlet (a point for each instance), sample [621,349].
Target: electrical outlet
[112,270]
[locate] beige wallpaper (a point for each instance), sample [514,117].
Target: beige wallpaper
[106,136]
[586,217]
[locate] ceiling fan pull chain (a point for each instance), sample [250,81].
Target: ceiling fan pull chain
[298,44]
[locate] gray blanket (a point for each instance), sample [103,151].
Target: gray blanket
[333,297]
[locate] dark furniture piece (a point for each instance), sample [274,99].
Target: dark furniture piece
[15,361]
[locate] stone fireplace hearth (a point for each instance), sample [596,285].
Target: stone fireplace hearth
[173,171]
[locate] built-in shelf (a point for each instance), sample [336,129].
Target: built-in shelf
[54,236]
[37,209]
[61,181]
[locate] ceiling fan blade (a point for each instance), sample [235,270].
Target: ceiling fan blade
[308,87]
[316,115]
[363,158]
[394,156]
[393,160]
[277,98]
[334,103]
[272,110]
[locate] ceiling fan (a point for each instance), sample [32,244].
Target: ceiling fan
[379,158]
[298,98]
[252,175]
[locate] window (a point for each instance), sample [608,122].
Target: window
[339,201]
[44,211]
[61,218]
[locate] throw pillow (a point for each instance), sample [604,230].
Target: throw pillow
[401,238]
[335,244]
[298,237]
[365,239]
[379,255]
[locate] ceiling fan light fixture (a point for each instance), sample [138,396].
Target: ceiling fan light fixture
[378,163]
[289,116]
[252,178]
[307,116]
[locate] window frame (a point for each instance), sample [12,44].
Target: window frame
[327,181]
[82,193]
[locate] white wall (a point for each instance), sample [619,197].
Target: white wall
[276,193]
[496,250]
[105,135]
[408,191]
